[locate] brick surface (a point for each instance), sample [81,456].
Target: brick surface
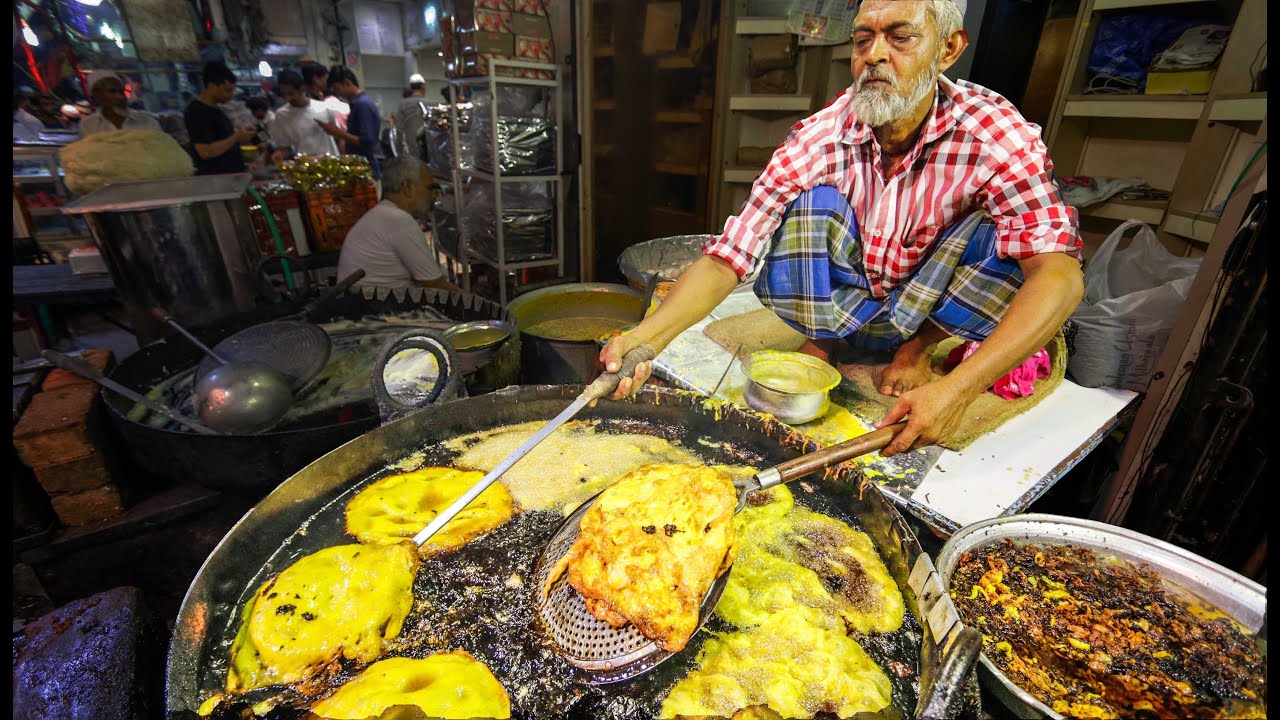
[57,378]
[58,426]
[90,506]
[73,476]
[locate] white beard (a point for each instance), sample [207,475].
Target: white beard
[878,107]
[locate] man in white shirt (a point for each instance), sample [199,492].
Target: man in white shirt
[387,243]
[113,113]
[295,129]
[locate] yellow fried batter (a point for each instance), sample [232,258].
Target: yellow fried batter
[445,685]
[399,506]
[343,601]
[650,547]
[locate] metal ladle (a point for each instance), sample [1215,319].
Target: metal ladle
[238,397]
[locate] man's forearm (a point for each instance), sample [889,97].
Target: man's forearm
[208,151]
[1051,291]
[698,291]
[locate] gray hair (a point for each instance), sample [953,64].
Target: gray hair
[396,172]
[947,16]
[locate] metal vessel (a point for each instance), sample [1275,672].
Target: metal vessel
[184,245]
[556,361]
[1237,596]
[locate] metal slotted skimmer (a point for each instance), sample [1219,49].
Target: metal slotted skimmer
[604,654]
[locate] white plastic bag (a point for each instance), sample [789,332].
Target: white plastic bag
[1131,300]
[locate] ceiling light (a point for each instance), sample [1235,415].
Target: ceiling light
[429,16]
[91,3]
[264,69]
[29,35]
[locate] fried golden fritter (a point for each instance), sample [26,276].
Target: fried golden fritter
[398,507]
[341,602]
[450,685]
[650,547]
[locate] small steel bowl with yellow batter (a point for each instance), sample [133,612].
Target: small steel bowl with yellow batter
[790,386]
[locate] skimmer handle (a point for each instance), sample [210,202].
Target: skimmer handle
[609,381]
[834,455]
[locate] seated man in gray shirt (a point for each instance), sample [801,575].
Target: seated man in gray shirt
[387,242]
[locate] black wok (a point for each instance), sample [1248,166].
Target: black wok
[264,459]
[929,653]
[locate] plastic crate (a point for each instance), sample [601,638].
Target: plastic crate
[332,213]
[286,210]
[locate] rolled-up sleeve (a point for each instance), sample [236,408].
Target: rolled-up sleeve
[1026,205]
[797,165]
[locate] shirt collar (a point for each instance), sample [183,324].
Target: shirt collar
[940,121]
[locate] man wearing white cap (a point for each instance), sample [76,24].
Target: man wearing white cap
[113,114]
[911,209]
[417,92]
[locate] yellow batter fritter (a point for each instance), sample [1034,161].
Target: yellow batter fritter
[341,602]
[398,507]
[445,685]
[650,547]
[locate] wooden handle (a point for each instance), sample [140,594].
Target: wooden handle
[836,454]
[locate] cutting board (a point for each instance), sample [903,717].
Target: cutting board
[753,331]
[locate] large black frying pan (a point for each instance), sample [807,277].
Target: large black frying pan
[264,459]
[930,653]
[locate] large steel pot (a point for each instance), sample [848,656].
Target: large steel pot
[264,459]
[554,360]
[181,244]
[301,516]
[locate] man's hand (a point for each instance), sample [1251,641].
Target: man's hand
[611,358]
[245,134]
[331,128]
[932,411]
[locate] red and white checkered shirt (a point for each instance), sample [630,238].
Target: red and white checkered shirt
[975,151]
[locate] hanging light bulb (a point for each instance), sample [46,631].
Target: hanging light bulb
[107,32]
[91,3]
[29,35]
[429,17]
[264,69]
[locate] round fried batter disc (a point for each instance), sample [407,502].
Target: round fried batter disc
[444,685]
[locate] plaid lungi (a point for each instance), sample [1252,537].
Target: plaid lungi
[814,279]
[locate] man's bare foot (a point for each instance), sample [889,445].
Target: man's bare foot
[911,368]
[820,349]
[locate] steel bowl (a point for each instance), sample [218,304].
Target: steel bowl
[1239,597]
[479,335]
[790,386]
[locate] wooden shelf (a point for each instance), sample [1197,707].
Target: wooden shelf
[1196,227]
[688,117]
[39,211]
[1124,4]
[1146,107]
[603,52]
[761,26]
[741,174]
[677,169]
[1151,212]
[771,103]
[676,62]
[673,212]
[604,105]
[1250,107]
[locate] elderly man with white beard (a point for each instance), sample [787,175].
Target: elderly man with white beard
[911,209]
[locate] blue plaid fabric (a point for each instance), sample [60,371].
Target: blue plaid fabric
[814,279]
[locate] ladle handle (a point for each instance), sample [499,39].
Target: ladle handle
[331,293]
[89,372]
[836,454]
[196,341]
[608,382]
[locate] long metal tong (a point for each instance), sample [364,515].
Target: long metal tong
[601,386]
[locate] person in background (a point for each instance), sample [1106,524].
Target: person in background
[215,141]
[417,92]
[297,128]
[260,108]
[113,113]
[387,242]
[911,209]
[319,88]
[26,126]
[363,124]
[49,111]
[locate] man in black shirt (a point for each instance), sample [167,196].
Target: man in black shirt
[216,142]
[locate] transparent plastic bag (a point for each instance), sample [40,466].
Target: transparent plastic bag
[1131,300]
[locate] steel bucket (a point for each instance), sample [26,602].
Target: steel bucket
[549,361]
